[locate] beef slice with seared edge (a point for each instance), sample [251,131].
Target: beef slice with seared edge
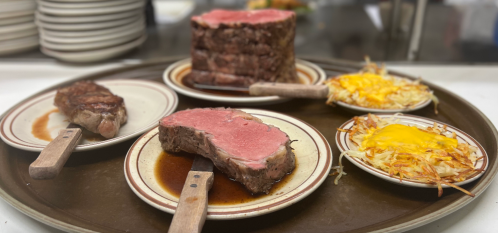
[239,144]
[92,106]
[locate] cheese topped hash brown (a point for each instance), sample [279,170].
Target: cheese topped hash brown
[373,87]
[429,155]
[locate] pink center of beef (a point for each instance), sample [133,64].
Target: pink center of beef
[246,139]
[215,17]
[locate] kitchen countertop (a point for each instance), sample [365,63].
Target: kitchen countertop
[476,84]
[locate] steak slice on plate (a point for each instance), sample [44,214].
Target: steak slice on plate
[239,144]
[92,106]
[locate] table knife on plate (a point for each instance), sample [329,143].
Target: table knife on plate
[53,157]
[292,90]
[191,211]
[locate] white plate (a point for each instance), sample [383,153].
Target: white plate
[86,19]
[89,26]
[308,72]
[16,14]
[344,144]
[62,5]
[91,45]
[376,110]
[89,39]
[16,6]
[82,0]
[17,27]
[94,55]
[146,102]
[18,45]
[91,11]
[78,34]
[18,34]
[314,159]
[17,20]
[417,106]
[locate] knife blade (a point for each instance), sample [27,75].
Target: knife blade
[292,90]
[53,157]
[191,211]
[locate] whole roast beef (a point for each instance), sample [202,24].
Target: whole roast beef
[92,106]
[239,48]
[239,144]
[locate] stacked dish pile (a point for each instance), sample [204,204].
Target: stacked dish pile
[18,31]
[89,30]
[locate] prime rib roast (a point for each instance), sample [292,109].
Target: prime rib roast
[92,106]
[239,48]
[239,144]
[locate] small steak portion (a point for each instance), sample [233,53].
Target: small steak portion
[253,45]
[239,144]
[93,107]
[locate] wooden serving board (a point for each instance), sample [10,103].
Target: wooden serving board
[91,193]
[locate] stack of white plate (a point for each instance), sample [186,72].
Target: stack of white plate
[90,30]
[17,28]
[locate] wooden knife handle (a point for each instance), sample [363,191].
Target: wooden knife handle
[53,157]
[290,90]
[190,214]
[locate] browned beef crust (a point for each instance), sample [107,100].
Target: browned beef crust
[93,107]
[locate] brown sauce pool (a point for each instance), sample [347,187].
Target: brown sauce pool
[171,171]
[39,129]
[185,81]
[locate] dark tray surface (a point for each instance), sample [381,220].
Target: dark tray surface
[91,193]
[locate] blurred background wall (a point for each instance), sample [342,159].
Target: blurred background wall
[429,31]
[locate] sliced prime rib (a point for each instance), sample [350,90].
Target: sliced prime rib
[92,106]
[239,144]
[254,45]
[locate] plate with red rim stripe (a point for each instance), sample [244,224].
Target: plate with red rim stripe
[344,144]
[313,156]
[146,102]
[307,72]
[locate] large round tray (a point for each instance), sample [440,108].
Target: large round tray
[91,193]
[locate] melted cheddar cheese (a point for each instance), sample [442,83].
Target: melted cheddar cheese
[371,86]
[406,139]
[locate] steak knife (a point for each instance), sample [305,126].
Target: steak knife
[292,90]
[191,211]
[53,157]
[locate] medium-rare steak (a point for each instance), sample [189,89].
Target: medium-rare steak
[93,107]
[251,45]
[239,144]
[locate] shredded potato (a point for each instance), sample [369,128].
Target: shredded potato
[430,155]
[373,87]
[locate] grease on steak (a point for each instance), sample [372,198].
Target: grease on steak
[239,48]
[93,107]
[240,145]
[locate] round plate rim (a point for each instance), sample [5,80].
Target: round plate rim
[418,106]
[85,19]
[79,5]
[91,33]
[91,25]
[93,45]
[257,210]
[321,76]
[103,53]
[90,11]
[112,141]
